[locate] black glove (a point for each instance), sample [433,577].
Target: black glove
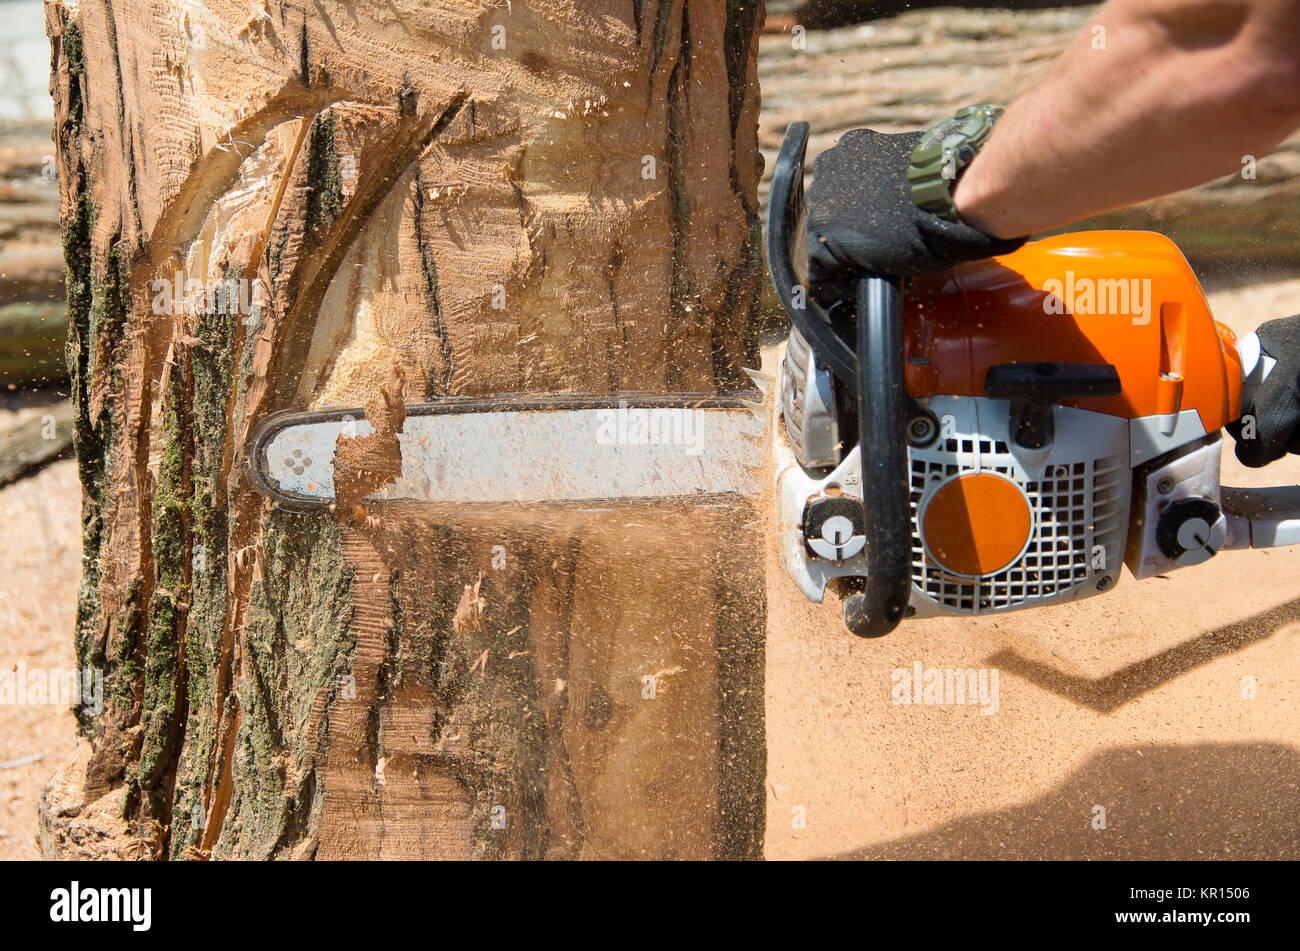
[861,217]
[1275,406]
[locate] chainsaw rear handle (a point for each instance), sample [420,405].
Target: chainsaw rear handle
[1256,365]
[874,374]
[1259,517]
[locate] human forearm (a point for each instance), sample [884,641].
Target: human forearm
[1181,91]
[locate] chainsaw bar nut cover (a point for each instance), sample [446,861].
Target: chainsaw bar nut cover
[1191,531]
[834,528]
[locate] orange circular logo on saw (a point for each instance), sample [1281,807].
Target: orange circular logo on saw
[977,524]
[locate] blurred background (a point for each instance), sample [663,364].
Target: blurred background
[32,314]
[40,498]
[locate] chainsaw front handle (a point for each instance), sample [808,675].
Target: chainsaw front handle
[874,374]
[882,434]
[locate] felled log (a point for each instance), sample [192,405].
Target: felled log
[32,321]
[31,444]
[822,14]
[32,337]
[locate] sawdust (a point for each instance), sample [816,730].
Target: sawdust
[677,259]
[41,536]
[364,464]
[1139,708]
[469,612]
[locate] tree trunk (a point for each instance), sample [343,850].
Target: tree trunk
[413,200]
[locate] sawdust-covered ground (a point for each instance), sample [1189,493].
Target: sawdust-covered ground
[40,535]
[1131,701]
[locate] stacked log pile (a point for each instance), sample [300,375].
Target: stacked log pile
[34,429]
[32,307]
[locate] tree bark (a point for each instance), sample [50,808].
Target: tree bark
[420,200]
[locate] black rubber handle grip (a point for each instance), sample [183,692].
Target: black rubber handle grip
[1046,381]
[882,414]
[874,373]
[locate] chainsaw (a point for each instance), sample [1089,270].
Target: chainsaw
[1006,434]
[956,446]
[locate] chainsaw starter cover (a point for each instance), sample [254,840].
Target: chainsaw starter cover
[977,524]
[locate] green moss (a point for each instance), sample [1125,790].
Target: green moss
[78,285]
[203,631]
[211,365]
[77,277]
[324,185]
[440,376]
[298,649]
[75,56]
[129,671]
[97,311]
[90,440]
[212,361]
[124,671]
[160,704]
[110,305]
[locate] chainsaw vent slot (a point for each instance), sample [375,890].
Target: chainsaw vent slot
[968,446]
[1079,515]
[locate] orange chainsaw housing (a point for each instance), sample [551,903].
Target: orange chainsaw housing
[1128,298]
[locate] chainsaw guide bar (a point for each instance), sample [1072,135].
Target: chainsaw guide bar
[563,449]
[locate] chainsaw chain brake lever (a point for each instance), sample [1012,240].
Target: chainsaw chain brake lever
[786,244]
[874,374]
